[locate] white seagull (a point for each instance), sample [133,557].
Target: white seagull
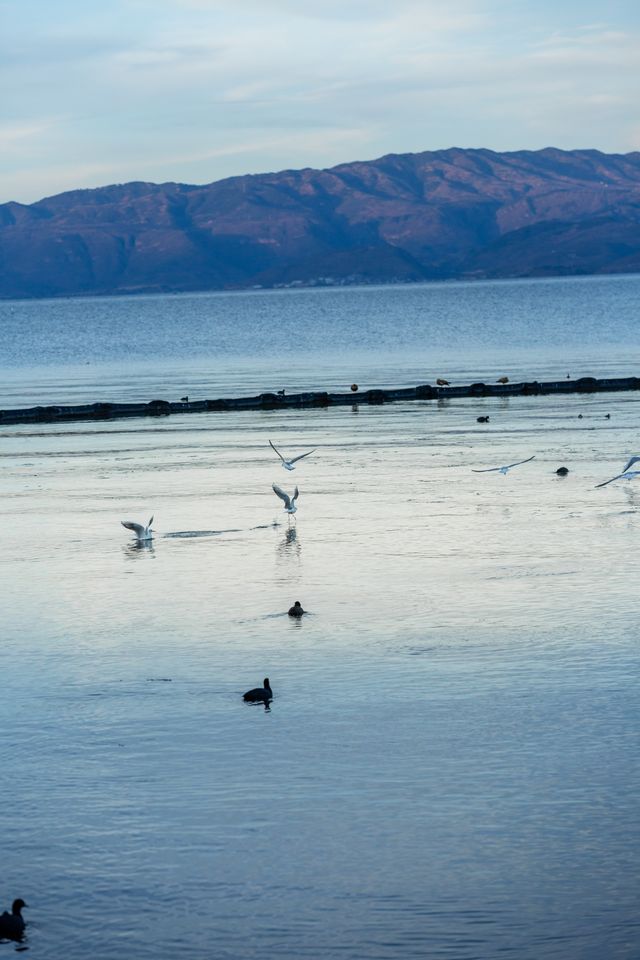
[289,464]
[506,469]
[142,533]
[289,502]
[626,473]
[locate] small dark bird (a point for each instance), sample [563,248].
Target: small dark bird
[280,393]
[12,924]
[579,416]
[562,471]
[607,416]
[354,387]
[482,420]
[184,399]
[296,610]
[502,380]
[442,383]
[259,694]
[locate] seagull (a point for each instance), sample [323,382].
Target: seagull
[142,533]
[289,464]
[626,473]
[506,469]
[12,924]
[259,694]
[289,502]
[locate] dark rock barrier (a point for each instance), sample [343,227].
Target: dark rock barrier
[274,401]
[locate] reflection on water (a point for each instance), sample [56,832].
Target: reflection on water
[449,769]
[139,548]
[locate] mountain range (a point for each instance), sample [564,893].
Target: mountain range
[456,213]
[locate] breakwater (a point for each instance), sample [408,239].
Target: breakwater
[283,401]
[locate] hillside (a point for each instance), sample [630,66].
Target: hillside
[434,215]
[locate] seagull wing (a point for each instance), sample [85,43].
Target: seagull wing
[617,477]
[136,527]
[295,459]
[518,462]
[507,467]
[277,451]
[283,496]
[630,464]
[295,495]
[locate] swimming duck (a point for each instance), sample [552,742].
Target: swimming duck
[296,610]
[12,924]
[442,383]
[259,694]
[482,419]
[502,380]
[562,471]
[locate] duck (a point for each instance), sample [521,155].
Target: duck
[11,924]
[354,387]
[296,610]
[562,471]
[442,383]
[259,694]
[482,419]
[502,380]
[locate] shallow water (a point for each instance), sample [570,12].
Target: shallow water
[448,768]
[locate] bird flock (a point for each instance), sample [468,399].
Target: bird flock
[264,694]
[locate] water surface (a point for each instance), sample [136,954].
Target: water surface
[448,768]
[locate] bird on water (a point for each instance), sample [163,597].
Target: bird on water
[296,610]
[562,471]
[289,464]
[289,502]
[502,380]
[142,533]
[442,383]
[482,419]
[259,694]
[12,924]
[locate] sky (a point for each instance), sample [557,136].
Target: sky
[95,93]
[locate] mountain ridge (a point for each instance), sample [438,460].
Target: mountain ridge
[448,214]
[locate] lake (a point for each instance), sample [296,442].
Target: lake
[449,765]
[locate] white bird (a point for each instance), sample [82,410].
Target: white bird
[142,533]
[289,502]
[504,470]
[289,464]
[626,473]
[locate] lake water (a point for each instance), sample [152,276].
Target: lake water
[449,766]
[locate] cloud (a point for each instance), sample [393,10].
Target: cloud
[195,90]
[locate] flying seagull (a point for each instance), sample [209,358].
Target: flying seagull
[506,469]
[289,502]
[626,473]
[289,464]
[142,533]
